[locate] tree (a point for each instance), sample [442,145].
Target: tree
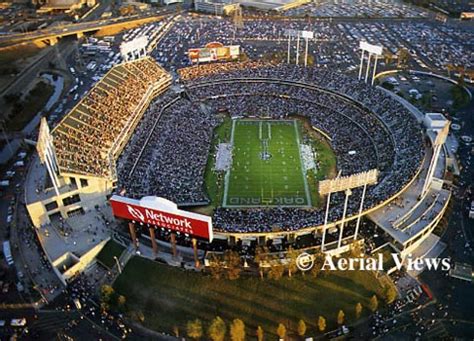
[321,323]
[104,307]
[318,264]
[340,317]
[121,300]
[106,293]
[281,330]
[276,271]
[217,329]
[216,266]
[261,258]
[237,330]
[301,328]
[232,264]
[358,310]
[374,303]
[259,333]
[291,255]
[194,329]
[137,316]
[390,294]
[356,250]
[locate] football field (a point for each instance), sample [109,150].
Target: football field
[266,165]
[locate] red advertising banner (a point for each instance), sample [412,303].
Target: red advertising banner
[162,213]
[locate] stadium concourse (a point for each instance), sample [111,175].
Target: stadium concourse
[160,140]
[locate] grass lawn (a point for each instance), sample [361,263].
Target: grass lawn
[170,297]
[15,53]
[460,97]
[24,111]
[266,168]
[106,255]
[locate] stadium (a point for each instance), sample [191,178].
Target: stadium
[244,173]
[269,154]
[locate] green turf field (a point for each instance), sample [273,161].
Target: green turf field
[266,165]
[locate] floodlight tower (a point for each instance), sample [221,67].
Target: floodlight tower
[238,17]
[373,51]
[348,193]
[47,154]
[345,184]
[437,145]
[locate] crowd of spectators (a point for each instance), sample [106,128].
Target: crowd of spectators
[87,138]
[367,128]
[168,154]
[173,154]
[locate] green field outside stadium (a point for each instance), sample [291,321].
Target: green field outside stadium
[170,297]
[267,169]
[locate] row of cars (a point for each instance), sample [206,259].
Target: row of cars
[20,322]
[384,9]
[19,163]
[9,278]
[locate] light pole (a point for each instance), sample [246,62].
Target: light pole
[118,264]
[2,126]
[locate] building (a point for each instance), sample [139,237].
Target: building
[62,5]
[273,5]
[215,7]
[224,7]
[434,121]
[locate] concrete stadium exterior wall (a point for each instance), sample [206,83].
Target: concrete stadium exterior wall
[421,236]
[95,193]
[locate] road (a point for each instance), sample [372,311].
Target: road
[74,29]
